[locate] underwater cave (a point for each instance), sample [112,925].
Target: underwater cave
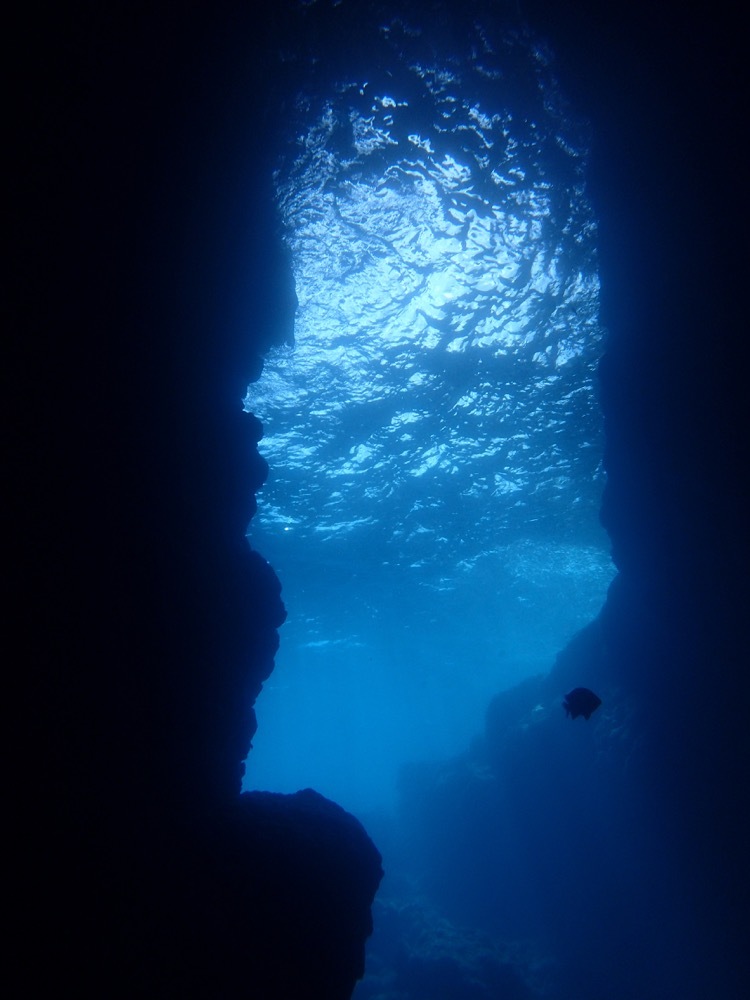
[495,458]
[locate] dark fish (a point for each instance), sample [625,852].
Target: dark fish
[581,701]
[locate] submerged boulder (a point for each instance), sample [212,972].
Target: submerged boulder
[301,874]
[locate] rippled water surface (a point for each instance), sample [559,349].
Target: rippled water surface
[433,434]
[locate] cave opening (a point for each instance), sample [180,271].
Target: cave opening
[433,432]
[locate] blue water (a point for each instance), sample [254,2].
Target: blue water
[433,435]
[435,448]
[374,671]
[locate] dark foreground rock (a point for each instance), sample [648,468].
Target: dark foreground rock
[302,875]
[280,899]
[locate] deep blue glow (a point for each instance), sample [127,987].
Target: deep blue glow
[433,436]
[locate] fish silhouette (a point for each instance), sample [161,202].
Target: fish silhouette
[581,701]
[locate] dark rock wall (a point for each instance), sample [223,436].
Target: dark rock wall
[664,91]
[621,842]
[150,285]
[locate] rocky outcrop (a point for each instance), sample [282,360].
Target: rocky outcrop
[295,879]
[270,894]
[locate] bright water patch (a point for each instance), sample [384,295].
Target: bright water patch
[380,665]
[433,436]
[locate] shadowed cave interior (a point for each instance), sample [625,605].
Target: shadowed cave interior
[541,857]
